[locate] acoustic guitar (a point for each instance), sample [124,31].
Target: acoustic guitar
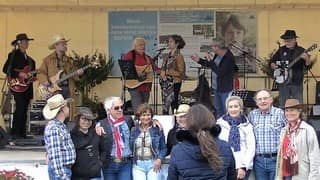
[145,74]
[20,84]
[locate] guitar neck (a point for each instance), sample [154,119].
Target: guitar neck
[72,74]
[294,61]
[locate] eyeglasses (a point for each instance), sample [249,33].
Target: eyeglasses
[263,98]
[85,119]
[117,108]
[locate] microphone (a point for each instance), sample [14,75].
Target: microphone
[161,49]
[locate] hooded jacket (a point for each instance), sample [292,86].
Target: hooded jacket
[188,163]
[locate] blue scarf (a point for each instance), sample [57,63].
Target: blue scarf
[234,134]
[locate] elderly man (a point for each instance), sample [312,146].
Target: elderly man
[58,143]
[267,123]
[223,64]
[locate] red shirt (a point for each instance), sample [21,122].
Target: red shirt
[140,60]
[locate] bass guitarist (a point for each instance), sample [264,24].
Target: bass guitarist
[55,62]
[293,88]
[13,68]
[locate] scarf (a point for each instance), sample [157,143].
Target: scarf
[234,134]
[117,135]
[290,156]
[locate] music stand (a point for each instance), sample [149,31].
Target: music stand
[246,96]
[128,69]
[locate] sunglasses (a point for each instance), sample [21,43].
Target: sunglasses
[117,108]
[85,119]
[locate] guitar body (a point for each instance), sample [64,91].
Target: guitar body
[21,84]
[145,71]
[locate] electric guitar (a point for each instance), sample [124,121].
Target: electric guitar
[147,78]
[283,73]
[21,84]
[46,91]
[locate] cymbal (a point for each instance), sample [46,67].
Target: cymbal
[190,78]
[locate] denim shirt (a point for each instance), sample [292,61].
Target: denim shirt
[159,148]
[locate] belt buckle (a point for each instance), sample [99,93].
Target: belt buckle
[117,160]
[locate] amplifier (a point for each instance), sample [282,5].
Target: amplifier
[36,111]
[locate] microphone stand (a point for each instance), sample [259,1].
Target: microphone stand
[155,82]
[244,54]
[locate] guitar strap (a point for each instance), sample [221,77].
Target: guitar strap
[133,52]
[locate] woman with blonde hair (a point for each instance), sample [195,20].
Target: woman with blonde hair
[238,132]
[201,154]
[298,155]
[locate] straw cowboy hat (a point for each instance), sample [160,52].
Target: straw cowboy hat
[293,103]
[20,37]
[56,39]
[54,104]
[182,110]
[87,113]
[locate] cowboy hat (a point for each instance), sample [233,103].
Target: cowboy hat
[20,37]
[54,104]
[87,113]
[56,39]
[293,103]
[289,34]
[182,110]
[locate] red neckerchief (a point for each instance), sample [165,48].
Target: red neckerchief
[116,135]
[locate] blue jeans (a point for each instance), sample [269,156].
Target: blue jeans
[220,103]
[118,171]
[52,176]
[265,167]
[143,170]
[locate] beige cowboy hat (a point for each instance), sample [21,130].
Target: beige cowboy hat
[56,39]
[182,110]
[293,103]
[54,104]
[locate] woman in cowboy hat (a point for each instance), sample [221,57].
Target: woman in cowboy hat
[18,66]
[92,151]
[56,61]
[298,156]
[59,146]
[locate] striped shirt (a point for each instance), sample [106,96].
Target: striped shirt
[267,127]
[59,146]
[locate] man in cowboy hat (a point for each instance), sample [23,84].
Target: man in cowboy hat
[58,143]
[18,67]
[285,55]
[56,61]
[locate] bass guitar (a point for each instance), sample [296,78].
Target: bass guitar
[283,73]
[21,84]
[46,91]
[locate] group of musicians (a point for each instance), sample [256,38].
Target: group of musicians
[220,59]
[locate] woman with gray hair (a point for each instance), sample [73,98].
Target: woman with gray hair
[238,132]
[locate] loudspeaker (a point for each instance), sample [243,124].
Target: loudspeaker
[318,92]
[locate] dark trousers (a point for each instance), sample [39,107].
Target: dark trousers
[176,91]
[20,115]
[138,97]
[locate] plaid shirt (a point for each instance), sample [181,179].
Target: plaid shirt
[59,146]
[267,127]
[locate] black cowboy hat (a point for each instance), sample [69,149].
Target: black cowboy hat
[289,34]
[20,37]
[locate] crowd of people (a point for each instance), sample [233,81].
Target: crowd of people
[272,142]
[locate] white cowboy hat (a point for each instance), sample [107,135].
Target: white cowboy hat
[54,104]
[56,39]
[182,110]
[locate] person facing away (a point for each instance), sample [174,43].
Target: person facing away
[298,154]
[285,55]
[18,61]
[148,146]
[144,67]
[91,150]
[238,132]
[59,146]
[58,61]
[201,154]
[223,64]
[267,122]
[172,73]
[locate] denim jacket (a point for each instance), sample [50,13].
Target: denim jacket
[159,148]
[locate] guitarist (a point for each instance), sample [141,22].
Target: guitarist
[144,67]
[56,61]
[284,55]
[13,68]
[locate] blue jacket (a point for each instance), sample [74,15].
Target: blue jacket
[159,148]
[188,163]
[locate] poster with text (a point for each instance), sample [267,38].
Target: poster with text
[124,27]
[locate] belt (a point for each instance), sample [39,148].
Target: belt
[267,155]
[120,160]
[69,166]
[144,158]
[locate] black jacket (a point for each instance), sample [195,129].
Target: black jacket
[92,153]
[225,71]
